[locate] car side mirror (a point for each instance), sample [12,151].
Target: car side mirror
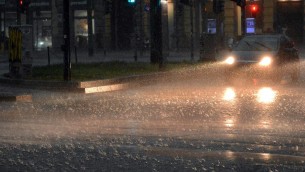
[232,43]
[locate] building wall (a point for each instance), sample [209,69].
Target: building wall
[230,17]
[179,22]
[178,17]
[268,8]
[266,19]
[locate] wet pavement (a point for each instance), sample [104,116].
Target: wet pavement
[194,124]
[191,124]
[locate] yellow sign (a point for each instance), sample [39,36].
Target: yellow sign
[15,44]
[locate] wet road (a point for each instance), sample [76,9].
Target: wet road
[188,125]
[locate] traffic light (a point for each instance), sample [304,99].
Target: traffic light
[19,4]
[218,6]
[23,5]
[254,10]
[131,1]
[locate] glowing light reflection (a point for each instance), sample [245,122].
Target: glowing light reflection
[265,124]
[266,61]
[229,123]
[230,60]
[265,156]
[229,94]
[230,155]
[266,95]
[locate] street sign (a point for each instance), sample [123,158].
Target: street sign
[250,25]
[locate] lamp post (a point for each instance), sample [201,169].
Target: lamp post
[136,30]
[18,11]
[192,29]
[90,28]
[66,47]
[165,29]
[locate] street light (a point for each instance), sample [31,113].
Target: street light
[164,1]
[90,28]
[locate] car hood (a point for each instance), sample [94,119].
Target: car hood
[252,56]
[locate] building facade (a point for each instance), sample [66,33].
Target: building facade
[118,25]
[272,16]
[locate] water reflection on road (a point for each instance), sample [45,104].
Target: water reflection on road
[178,119]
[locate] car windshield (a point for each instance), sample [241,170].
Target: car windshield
[257,43]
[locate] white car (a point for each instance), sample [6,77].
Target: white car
[272,55]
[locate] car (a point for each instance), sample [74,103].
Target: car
[266,55]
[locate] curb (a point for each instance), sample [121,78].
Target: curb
[97,86]
[104,85]
[10,97]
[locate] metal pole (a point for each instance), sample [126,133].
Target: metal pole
[1,18]
[75,53]
[90,28]
[18,12]
[49,58]
[135,33]
[141,29]
[66,21]
[176,6]
[4,19]
[27,16]
[243,19]
[156,55]
[192,30]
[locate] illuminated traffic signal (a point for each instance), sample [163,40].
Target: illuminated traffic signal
[19,4]
[23,5]
[131,1]
[218,6]
[254,10]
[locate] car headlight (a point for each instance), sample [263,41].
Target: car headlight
[266,61]
[230,60]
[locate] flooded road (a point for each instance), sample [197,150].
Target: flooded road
[188,125]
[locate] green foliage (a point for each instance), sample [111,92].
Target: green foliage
[106,70]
